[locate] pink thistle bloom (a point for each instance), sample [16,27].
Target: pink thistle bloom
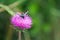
[21,22]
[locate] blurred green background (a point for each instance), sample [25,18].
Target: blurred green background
[45,15]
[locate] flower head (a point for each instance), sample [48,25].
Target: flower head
[21,21]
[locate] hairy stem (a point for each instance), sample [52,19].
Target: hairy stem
[7,9]
[18,2]
[19,35]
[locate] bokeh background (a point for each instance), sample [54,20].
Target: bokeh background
[45,15]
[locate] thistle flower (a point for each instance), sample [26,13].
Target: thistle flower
[21,21]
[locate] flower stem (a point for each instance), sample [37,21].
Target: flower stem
[7,9]
[19,35]
[26,35]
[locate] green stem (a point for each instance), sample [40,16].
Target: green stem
[26,35]
[7,9]
[19,35]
